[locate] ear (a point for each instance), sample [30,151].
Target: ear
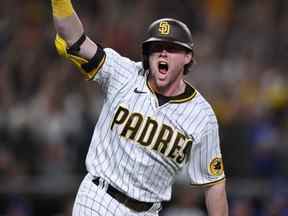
[188,58]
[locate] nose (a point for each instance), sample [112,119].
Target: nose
[163,52]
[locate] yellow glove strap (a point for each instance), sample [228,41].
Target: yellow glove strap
[62,8]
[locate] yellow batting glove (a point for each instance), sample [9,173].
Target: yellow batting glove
[62,8]
[62,46]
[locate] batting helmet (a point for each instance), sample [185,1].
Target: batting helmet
[167,30]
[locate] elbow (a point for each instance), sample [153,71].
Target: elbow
[61,30]
[70,33]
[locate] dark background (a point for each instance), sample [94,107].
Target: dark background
[47,111]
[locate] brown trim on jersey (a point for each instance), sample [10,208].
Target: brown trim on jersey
[209,184]
[187,95]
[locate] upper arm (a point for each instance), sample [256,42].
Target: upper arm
[106,66]
[71,41]
[88,49]
[80,55]
[71,29]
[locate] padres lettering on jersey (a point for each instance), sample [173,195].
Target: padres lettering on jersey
[140,148]
[151,134]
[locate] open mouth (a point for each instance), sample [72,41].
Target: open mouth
[163,67]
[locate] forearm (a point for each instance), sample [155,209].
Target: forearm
[66,21]
[216,200]
[70,28]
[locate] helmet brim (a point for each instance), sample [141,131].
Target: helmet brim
[146,43]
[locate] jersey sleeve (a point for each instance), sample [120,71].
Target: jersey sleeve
[116,70]
[205,165]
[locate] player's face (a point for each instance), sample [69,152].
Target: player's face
[166,62]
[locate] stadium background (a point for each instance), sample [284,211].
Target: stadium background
[47,112]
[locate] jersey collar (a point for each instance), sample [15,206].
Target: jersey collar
[188,94]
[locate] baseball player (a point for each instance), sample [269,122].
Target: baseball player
[152,123]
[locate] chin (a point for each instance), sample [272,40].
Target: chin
[162,83]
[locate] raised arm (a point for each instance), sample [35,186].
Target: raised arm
[71,41]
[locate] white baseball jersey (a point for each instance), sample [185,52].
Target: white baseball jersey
[139,146]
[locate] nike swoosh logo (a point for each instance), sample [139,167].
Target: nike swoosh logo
[139,92]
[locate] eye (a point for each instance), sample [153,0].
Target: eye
[171,49]
[153,49]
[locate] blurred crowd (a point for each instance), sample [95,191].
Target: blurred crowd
[47,110]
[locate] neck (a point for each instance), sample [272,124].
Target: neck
[174,89]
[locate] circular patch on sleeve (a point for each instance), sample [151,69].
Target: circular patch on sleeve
[216,167]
